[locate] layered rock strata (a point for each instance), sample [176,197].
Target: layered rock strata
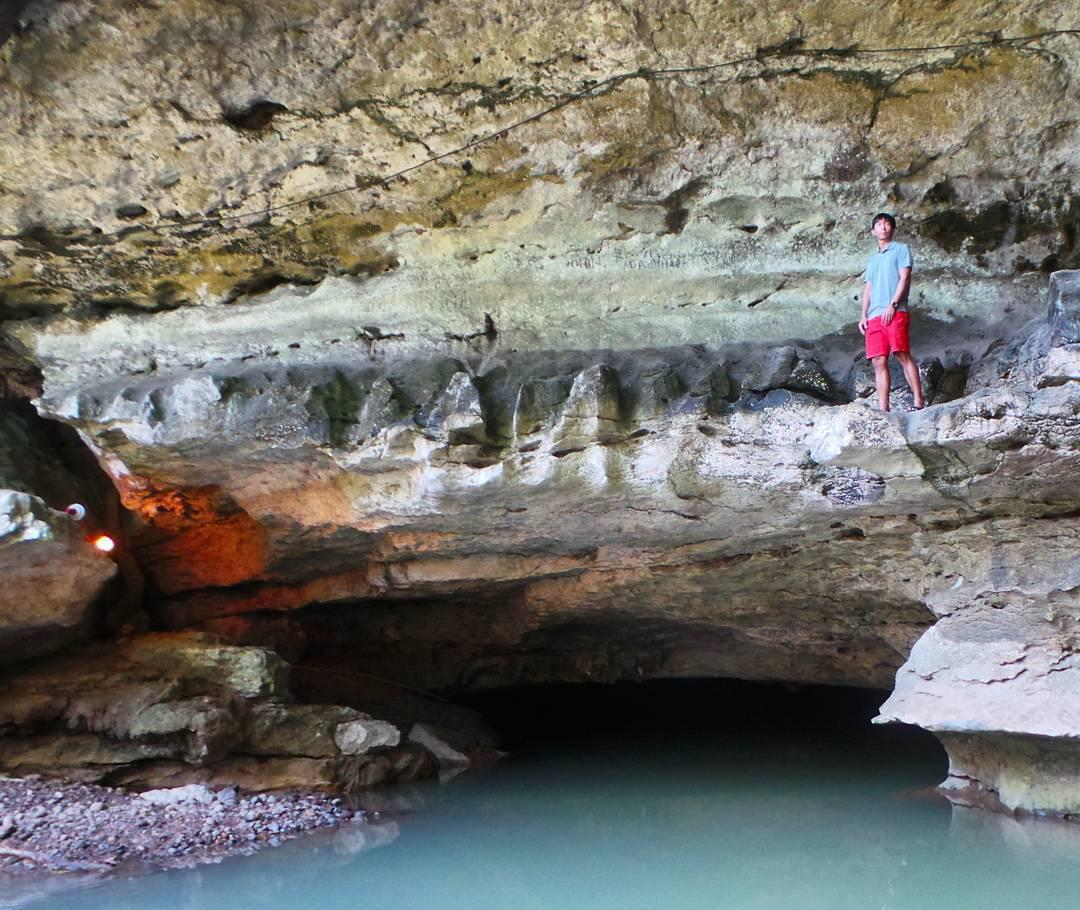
[734,514]
[996,676]
[169,710]
[627,175]
[446,348]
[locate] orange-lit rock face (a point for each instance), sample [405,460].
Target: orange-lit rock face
[196,538]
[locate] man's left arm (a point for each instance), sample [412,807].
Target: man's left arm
[898,297]
[902,288]
[904,267]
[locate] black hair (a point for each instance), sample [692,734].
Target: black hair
[883,215]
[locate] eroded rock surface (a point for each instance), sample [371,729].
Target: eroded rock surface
[238,196]
[997,676]
[461,524]
[169,710]
[583,400]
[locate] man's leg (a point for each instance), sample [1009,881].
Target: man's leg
[911,374]
[881,379]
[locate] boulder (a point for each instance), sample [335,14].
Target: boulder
[355,737]
[192,793]
[302,730]
[52,577]
[430,739]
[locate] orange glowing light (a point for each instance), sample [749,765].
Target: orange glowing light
[104,544]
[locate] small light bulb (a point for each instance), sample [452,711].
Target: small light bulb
[104,543]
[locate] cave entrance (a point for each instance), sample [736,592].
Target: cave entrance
[713,712]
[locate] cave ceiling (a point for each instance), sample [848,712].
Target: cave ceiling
[534,324]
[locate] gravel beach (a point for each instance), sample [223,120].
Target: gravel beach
[50,825]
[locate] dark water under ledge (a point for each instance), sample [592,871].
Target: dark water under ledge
[673,799]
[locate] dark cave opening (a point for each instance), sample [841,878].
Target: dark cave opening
[566,716]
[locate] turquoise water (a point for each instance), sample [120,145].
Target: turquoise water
[667,822]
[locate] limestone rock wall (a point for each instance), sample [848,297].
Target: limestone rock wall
[167,710]
[487,521]
[662,202]
[462,346]
[995,677]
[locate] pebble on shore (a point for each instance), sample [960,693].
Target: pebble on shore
[70,826]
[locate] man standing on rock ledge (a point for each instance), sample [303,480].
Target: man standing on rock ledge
[884,319]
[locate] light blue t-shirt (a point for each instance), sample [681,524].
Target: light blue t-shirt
[883,276]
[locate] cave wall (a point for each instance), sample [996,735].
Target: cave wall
[470,346]
[702,174]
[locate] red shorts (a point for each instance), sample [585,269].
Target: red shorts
[883,340]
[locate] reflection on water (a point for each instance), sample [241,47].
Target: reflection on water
[676,823]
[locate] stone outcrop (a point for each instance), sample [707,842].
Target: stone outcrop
[168,710]
[729,518]
[447,348]
[704,173]
[54,581]
[996,676]
[51,577]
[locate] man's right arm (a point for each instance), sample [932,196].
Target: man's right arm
[865,307]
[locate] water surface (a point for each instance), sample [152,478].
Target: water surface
[655,820]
